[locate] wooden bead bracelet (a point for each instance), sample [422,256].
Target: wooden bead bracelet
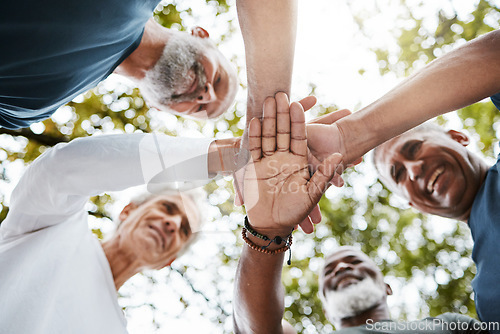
[263,249]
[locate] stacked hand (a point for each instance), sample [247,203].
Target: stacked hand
[323,139]
[279,192]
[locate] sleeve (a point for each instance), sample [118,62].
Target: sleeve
[59,183]
[496,100]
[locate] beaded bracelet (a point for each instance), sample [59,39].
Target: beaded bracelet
[263,249]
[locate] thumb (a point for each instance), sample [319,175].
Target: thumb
[318,183]
[308,102]
[237,199]
[331,117]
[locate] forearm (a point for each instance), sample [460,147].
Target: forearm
[259,293]
[67,175]
[269,30]
[460,78]
[223,156]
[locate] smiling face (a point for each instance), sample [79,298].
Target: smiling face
[432,170]
[350,284]
[345,267]
[191,77]
[155,231]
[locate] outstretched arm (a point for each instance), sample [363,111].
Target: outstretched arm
[269,30]
[259,294]
[279,193]
[460,78]
[59,183]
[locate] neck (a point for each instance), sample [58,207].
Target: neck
[123,263]
[147,53]
[482,168]
[376,313]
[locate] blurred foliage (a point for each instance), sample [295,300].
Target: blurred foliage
[481,119]
[421,39]
[400,241]
[403,242]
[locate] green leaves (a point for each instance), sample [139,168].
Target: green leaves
[427,258]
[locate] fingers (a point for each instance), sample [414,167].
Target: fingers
[269,127]
[314,218]
[355,162]
[318,183]
[337,180]
[254,139]
[283,123]
[237,196]
[307,226]
[315,215]
[238,187]
[298,140]
[331,117]
[308,102]
[237,199]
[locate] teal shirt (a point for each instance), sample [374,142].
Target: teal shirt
[54,50]
[496,100]
[484,222]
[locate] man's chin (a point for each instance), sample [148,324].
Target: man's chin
[354,298]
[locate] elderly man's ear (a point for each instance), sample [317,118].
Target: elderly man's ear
[199,32]
[388,289]
[127,210]
[459,137]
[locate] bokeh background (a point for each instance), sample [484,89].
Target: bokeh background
[349,52]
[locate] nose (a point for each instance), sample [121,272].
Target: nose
[207,94]
[172,225]
[414,169]
[341,267]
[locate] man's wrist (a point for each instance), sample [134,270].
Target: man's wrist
[222,156]
[269,232]
[351,138]
[265,244]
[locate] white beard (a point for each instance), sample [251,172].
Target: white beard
[173,71]
[353,300]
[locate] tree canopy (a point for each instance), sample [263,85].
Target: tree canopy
[427,260]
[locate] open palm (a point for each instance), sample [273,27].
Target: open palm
[278,190]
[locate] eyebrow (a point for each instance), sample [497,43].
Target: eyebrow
[393,171]
[175,207]
[223,84]
[406,146]
[182,213]
[403,151]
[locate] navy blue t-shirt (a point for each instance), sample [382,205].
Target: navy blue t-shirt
[484,222]
[54,50]
[496,100]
